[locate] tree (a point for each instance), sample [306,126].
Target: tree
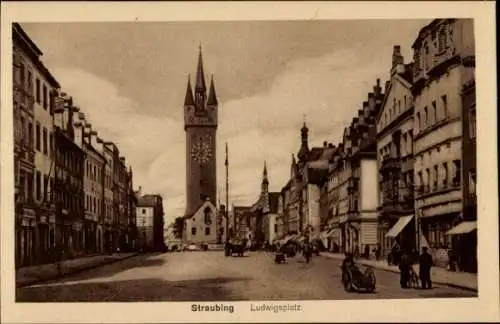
[178,227]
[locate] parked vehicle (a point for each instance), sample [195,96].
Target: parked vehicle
[355,280]
[237,246]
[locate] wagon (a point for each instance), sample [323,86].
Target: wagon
[355,280]
[237,246]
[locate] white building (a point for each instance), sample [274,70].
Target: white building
[145,219]
[438,77]
[201,227]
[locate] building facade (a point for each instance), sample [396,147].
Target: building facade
[200,125]
[34,88]
[109,208]
[150,222]
[145,216]
[69,191]
[438,77]
[396,220]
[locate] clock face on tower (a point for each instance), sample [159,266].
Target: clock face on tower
[201,151]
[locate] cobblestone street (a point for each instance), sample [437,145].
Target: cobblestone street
[204,276]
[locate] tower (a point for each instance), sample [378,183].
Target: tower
[200,125]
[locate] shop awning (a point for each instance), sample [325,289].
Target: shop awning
[398,227]
[462,228]
[334,233]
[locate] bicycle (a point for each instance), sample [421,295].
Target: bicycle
[413,281]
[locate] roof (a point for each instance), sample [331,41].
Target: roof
[407,75]
[212,96]
[188,99]
[317,175]
[34,53]
[273,201]
[148,200]
[425,29]
[315,153]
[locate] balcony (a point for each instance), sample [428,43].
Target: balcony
[391,164]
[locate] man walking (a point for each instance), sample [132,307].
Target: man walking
[404,268]
[425,263]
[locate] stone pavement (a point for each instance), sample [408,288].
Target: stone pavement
[34,274]
[442,276]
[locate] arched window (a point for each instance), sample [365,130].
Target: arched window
[207,212]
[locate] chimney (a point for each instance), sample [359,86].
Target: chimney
[397,60]
[330,145]
[325,144]
[79,133]
[93,138]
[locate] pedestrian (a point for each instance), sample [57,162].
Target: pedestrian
[378,249]
[404,268]
[425,264]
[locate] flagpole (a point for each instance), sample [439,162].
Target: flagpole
[227,194]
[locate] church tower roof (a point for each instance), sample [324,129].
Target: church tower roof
[200,74]
[188,100]
[304,148]
[265,179]
[212,96]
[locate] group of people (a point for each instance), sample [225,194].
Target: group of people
[425,264]
[287,250]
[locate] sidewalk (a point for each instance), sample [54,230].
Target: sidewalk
[461,280]
[30,275]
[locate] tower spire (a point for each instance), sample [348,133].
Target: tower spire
[212,96]
[200,74]
[264,174]
[188,99]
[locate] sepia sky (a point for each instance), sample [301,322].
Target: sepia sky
[130,80]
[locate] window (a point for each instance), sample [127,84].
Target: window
[23,130]
[404,102]
[472,181]
[207,230]
[51,147]
[30,82]
[45,149]
[436,177]
[45,187]
[22,75]
[143,211]
[472,123]
[30,135]
[419,122]
[426,117]
[427,178]
[276,228]
[45,101]
[444,100]
[399,106]
[207,216]
[37,137]
[95,173]
[445,174]
[38,181]
[434,110]
[193,230]
[426,57]
[37,84]
[457,171]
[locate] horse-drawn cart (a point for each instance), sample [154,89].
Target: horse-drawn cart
[237,246]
